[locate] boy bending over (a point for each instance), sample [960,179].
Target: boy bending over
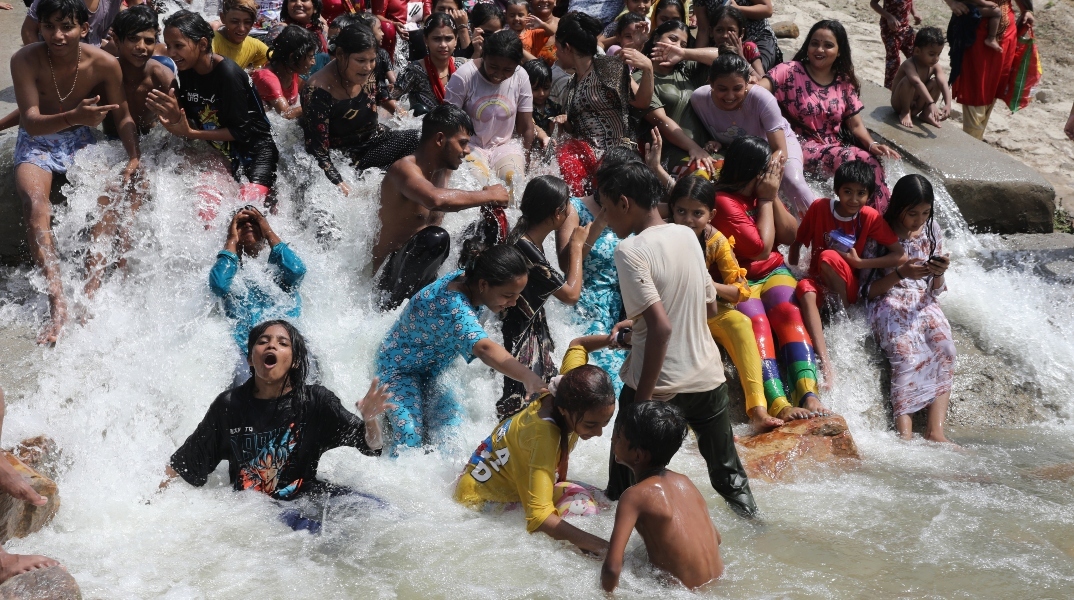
[920,81]
[664,506]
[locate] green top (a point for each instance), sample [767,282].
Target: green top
[672,93]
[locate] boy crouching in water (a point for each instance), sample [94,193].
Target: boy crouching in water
[665,507]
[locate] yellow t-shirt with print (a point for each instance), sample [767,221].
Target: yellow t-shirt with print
[251,52]
[517,463]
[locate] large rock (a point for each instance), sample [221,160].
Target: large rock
[40,453]
[18,518]
[53,583]
[771,455]
[995,192]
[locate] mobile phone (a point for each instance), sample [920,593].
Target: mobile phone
[620,338]
[937,258]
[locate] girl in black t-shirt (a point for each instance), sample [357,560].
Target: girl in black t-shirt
[273,429]
[215,101]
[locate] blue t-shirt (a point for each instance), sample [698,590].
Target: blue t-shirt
[436,326]
[252,295]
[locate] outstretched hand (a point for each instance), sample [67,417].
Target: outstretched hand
[89,113]
[668,54]
[168,111]
[375,401]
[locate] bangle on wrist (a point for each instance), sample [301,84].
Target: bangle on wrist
[898,274]
[875,143]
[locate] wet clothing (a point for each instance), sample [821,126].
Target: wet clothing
[672,92]
[494,108]
[270,88]
[252,52]
[351,126]
[436,327]
[413,266]
[259,294]
[520,460]
[526,334]
[708,415]
[53,152]
[598,106]
[100,20]
[758,115]
[414,83]
[272,446]
[818,114]
[225,98]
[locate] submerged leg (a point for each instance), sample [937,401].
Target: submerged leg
[33,185]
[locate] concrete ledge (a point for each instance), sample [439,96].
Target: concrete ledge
[995,192]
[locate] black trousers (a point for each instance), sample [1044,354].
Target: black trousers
[413,266]
[707,414]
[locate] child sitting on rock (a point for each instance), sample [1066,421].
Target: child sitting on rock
[837,231]
[920,81]
[665,507]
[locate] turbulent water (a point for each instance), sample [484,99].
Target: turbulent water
[120,393]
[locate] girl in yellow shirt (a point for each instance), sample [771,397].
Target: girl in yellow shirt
[525,459]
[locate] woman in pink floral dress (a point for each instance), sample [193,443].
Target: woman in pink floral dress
[818,94]
[905,316]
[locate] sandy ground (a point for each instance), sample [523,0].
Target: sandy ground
[1033,135]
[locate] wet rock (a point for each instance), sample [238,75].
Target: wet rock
[53,583]
[40,453]
[19,519]
[775,455]
[785,29]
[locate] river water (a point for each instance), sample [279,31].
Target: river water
[120,393]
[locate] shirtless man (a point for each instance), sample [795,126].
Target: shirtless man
[413,200]
[58,84]
[11,482]
[665,507]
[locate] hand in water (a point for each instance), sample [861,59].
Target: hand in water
[88,113]
[498,194]
[883,150]
[343,187]
[130,172]
[375,401]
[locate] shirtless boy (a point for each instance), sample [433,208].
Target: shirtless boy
[134,33]
[667,510]
[58,84]
[413,200]
[920,81]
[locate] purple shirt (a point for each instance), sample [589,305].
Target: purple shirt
[758,115]
[493,108]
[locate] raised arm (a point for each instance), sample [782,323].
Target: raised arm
[642,90]
[572,288]
[497,357]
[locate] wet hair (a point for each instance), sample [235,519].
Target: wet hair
[291,47]
[667,26]
[633,179]
[247,6]
[353,39]
[746,158]
[626,20]
[662,4]
[618,155]
[504,43]
[579,31]
[74,9]
[718,13]
[300,360]
[908,192]
[580,390]
[730,63]
[843,67]
[486,11]
[539,71]
[544,197]
[655,427]
[447,119]
[496,265]
[929,36]
[856,171]
[694,187]
[135,20]
[435,21]
[191,25]
[318,5]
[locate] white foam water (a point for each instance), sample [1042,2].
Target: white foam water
[121,392]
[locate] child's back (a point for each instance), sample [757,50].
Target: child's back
[673,521]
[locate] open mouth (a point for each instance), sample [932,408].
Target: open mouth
[270,359]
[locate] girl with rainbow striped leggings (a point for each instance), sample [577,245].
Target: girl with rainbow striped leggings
[748,210]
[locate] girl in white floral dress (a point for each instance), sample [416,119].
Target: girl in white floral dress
[906,317]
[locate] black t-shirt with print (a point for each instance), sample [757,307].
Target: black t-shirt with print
[272,446]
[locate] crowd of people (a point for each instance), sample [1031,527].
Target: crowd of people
[684,143]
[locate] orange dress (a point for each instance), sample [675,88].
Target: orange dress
[539,43]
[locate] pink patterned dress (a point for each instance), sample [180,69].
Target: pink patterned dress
[817,114]
[914,333]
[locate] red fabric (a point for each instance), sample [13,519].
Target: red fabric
[268,86]
[841,268]
[1018,93]
[394,10]
[577,164]
[734,217]
[388,43]
[819,220]
[985,71]
[439,89]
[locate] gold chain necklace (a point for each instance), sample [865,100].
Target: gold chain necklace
[53,71]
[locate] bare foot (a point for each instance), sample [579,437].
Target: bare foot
[17,564]
[905,121]
[760,420]
[51,333]
[793,414]
[812,403]
[993,44]
[15,484]
[906,436]
[928,117]
[940,438]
